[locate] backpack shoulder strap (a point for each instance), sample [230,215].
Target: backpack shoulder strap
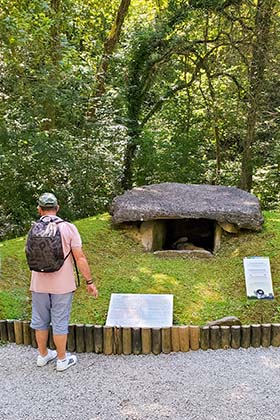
[70,252]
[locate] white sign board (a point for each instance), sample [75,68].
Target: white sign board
[258,278]
[134,310]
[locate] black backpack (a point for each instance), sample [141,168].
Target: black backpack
[44,251]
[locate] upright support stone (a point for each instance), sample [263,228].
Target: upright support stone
[215,338]
[194,337]
[275,335]
[127,340]
[146,336]
[108,340]
[18,331]
[98,339]
[80,338]
[166,340]
[175,338]
[245,336]
[235,336]
[3,330]
[26,333]
[136,340]
[89,338]
[225,337]
[256,335]
[217,238]
[204,338]
[266,335]
[11,330]
[156,340]
[153,234]
[71,338]
[118,344]
[184,335]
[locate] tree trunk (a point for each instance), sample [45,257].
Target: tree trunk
[256,77]
[49,122]
[133,134]
[108,49]
[128,170]
[55,32]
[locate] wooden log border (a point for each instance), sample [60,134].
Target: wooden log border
[89,338]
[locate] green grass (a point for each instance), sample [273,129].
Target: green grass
[203,289]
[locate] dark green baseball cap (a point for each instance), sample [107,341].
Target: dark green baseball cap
[47,200]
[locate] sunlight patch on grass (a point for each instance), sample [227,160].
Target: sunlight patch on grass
[145,270]
[210,295]
[164,279]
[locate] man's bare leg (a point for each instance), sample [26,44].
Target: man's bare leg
[42,339]
[60,341]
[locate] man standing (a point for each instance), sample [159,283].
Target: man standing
[52,292]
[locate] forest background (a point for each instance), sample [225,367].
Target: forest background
[98,96]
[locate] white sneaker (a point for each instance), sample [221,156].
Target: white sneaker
[42,361]
[69,361]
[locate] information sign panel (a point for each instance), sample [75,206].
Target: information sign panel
[139,310]
[258,278]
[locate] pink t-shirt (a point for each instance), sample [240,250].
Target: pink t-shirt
[63,280]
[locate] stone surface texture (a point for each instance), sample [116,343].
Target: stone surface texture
[228,321]
[188,201]
[171,253]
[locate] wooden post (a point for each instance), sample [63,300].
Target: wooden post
[156,340]
[166,340]
[26,333]
[71,340]
[245,336]
[108,340]
[175,338]
[18,331]
[136,340]
[51,342]
[146,336]
[225,336]
[275,335]
[256,335]
[184,336]
[118,347]
[11,330]
[3,330]
[204,338]
[194,337]
[215,337]
[80,338]
[33,338]
[127,340]
[89,338]
[98,339]
[235,336]
[266,335]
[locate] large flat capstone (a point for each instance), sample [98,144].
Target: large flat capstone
[188,201]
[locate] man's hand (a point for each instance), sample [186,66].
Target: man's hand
[92,290]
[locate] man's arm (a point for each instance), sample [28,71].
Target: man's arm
[83,266]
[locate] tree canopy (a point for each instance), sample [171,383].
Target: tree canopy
[97,97]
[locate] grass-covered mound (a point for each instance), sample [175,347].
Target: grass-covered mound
[203,289]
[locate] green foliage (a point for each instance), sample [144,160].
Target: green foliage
[174,109]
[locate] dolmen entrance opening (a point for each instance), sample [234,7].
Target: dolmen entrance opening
[172,219]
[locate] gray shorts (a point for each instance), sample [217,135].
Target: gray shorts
[49,308]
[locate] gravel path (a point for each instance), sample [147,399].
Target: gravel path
[202,385]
